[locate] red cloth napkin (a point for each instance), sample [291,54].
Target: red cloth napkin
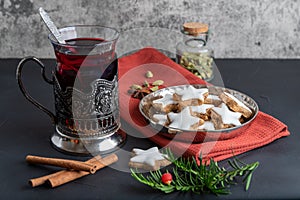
[132,69]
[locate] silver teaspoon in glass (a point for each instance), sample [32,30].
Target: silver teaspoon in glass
[51,26]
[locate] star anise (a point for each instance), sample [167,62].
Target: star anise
[140,92]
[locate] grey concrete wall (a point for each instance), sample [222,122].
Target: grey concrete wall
[240,28]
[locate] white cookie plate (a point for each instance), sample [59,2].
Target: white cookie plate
[200,135]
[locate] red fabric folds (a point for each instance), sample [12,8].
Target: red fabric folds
[261,131]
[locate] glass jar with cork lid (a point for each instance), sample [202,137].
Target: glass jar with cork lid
[193,53]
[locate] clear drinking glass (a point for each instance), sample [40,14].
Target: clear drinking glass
[85,85]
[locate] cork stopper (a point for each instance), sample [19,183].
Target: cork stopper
[195,28]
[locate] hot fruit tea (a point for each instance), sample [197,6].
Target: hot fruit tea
[79,63]
[85,87]
[84,63]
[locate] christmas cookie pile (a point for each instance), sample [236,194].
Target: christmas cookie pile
[190,108]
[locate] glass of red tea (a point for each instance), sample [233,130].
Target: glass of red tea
[85,85]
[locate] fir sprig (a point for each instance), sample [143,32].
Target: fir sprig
[203,178]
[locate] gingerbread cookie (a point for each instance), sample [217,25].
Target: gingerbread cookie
[160,119]
[165,104]
[207,125]
[202,111]
[222,117]
[213,99]
[184,120]
[150,159]
[236,105]
[148,108]
[190,95]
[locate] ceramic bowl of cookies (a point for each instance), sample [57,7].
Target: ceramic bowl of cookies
[198,112]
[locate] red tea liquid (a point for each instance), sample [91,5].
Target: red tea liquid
[80,62]
[84,61]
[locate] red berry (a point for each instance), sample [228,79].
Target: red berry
[166,178]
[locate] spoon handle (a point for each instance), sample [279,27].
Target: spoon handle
[51,26]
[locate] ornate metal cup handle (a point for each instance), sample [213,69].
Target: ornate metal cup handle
[23,90]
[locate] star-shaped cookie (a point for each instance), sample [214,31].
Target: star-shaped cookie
[222,116]
[202,108]
[150,159]
[165,104]
[160,119]
[184,120]
[208,125]
[165,100]
[192,93]
[236,105]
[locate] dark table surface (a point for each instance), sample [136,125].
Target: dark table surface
[274,84]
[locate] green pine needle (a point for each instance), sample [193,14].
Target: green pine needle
[188,176]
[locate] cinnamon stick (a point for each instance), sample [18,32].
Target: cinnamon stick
[68,164]
[68,176]
[41,180]
[65,176]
